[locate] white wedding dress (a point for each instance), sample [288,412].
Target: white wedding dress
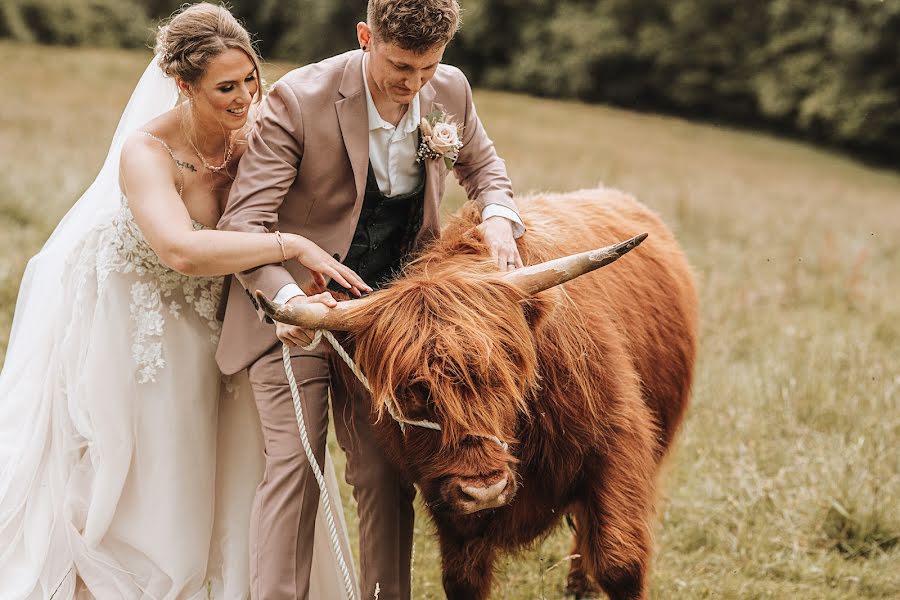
[127,465]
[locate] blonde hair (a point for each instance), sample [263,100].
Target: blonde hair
[417,25]
[195,35]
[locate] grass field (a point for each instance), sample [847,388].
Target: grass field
[786,479]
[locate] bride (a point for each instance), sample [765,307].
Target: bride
[125,472]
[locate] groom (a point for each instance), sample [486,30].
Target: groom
[333,157]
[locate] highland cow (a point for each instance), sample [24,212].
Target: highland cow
[555,394]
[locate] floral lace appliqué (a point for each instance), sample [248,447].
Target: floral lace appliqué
[147,316]
[125,250]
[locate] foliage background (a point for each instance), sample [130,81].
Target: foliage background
[826,70]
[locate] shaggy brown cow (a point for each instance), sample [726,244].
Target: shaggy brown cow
[555,403]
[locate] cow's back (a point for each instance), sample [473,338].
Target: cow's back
[644,304]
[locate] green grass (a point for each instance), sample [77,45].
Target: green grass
[785,482]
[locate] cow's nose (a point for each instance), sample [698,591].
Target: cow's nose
[485,494]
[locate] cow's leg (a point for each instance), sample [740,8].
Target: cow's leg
[579,584]
[618,511]
[615,557]
[468,568]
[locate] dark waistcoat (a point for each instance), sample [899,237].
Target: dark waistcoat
[385,233]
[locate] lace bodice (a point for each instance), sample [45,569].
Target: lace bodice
[158,292]
[132,248]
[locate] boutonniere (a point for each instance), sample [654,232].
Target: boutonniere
[440,138]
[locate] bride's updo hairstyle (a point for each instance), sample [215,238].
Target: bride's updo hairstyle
[195,35]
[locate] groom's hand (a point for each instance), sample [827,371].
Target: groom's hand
[498,235]
[297,336]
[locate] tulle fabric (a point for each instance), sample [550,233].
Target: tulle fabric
[127,466]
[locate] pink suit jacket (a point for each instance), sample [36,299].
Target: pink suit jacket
[305,170]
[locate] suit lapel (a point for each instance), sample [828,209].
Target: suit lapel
[354,121]
[432,200]
[426,100]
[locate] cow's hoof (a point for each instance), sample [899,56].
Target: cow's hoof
[580,587]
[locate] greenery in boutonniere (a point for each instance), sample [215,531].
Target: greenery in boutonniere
[440,138]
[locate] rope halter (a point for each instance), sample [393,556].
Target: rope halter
[388,402]
[392,410]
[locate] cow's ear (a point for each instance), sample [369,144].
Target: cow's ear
[540,307]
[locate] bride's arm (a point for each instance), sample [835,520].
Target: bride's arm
[148,180]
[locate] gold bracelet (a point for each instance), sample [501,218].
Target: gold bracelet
[281,243]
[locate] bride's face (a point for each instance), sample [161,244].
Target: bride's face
[228,87]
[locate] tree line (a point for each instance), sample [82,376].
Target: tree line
[827,70]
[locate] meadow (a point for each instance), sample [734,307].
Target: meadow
[785,482]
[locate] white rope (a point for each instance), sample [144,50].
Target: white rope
[317,339]
[317,472]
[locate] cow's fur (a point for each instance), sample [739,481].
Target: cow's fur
[587,381]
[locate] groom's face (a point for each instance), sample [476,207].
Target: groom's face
[396,74]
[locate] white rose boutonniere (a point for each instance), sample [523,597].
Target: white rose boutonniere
[440,138]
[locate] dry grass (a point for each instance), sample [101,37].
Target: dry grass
[785,483]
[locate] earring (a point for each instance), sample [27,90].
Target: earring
[365,48]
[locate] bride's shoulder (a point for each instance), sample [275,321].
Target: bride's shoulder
[162,133]
[142,151]
[156,138]
[147,154]
[140,142]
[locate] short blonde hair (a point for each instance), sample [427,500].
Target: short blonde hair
[417,25]
[195,35]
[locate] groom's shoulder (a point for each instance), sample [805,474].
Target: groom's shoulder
[317,77]
[449,75]
[450,84]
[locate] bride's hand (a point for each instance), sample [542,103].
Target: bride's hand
[322,265]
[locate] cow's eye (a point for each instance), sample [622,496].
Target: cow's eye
[418,389]
[420,395]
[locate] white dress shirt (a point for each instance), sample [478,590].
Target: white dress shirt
[392,149]
[392,153]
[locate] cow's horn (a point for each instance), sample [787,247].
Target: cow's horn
[311,316]
[537,278]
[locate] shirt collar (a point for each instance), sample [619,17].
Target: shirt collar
[408,123]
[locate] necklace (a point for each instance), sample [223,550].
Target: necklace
[228,151]
[215,168]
